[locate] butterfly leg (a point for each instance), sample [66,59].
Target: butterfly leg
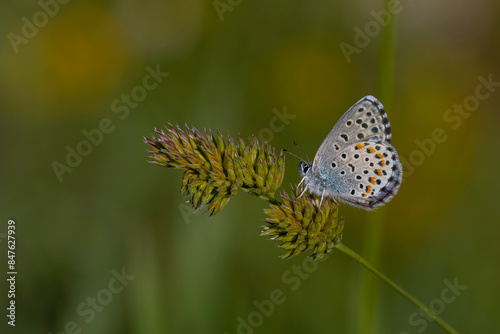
[321,201]
[322,196]
[301,181]
[302,193]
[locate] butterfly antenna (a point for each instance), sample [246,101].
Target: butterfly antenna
[300,148]
[287,151]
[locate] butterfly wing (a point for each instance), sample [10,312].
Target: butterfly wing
[366,119]
[356,162]
[369,173]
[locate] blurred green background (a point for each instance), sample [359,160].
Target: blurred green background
[67,67]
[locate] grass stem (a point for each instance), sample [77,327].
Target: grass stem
[369,290]
[356,257]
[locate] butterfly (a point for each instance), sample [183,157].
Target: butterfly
[356,162]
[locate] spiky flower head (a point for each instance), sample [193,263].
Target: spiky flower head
[217,168]
[304,223]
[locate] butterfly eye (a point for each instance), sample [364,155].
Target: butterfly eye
[303,168]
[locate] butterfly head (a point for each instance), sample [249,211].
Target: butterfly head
[304,167]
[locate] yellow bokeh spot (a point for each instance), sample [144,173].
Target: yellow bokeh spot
[310,76]
[70,66]
[156,29]
[84,54]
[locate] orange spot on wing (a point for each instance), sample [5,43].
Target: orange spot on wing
[371,149]
[373,179]
[378,155]
[364,195]
[383,163]
[360,146]
[379,172]
[368,189]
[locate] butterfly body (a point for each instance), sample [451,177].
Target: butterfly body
[356,163]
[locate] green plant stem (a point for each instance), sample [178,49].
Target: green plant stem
[369,287]
[356,257]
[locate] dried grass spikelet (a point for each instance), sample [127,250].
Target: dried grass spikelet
[217,168]
[304,223]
